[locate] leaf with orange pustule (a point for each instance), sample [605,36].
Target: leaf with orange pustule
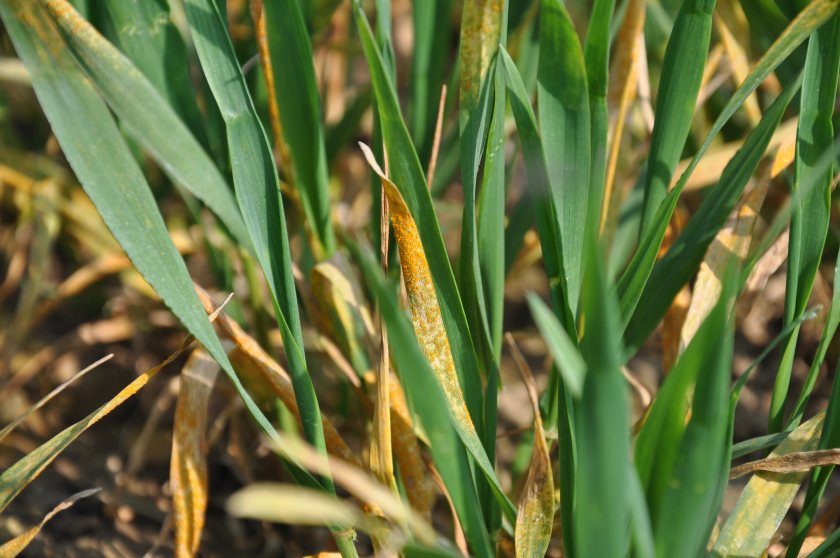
[338,298]
[430,332]
[188,467]
[422,299]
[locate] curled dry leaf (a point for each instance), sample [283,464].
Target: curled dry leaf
[792,462]
[535,515]
[12,548]
[188,468]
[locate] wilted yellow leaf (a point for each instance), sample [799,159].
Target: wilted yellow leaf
[188,468]
[12,548]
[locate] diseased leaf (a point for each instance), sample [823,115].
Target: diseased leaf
[422,299]
[765,500]
[188,467]
[426,399]
[407,175]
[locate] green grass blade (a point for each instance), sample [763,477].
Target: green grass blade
[256,183]
[829,547]
[564,126]
[432,21]
[111,177]
[640,528]
[636,274]
[681,261]
[682,72]
[482,25]
[829,329]
[752,445]
[491,217]
[145,33]
[658,444]
[596,48]
[407,175]
[489,255]
[296,93]
[694,488]
[546,198]
[809,220]
[133,98]
[426,400]
[601,422]
[563,349]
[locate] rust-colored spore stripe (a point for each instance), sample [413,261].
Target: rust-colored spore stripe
[422,299]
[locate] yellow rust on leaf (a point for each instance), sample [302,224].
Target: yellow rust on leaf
[480,34]
[422,298]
